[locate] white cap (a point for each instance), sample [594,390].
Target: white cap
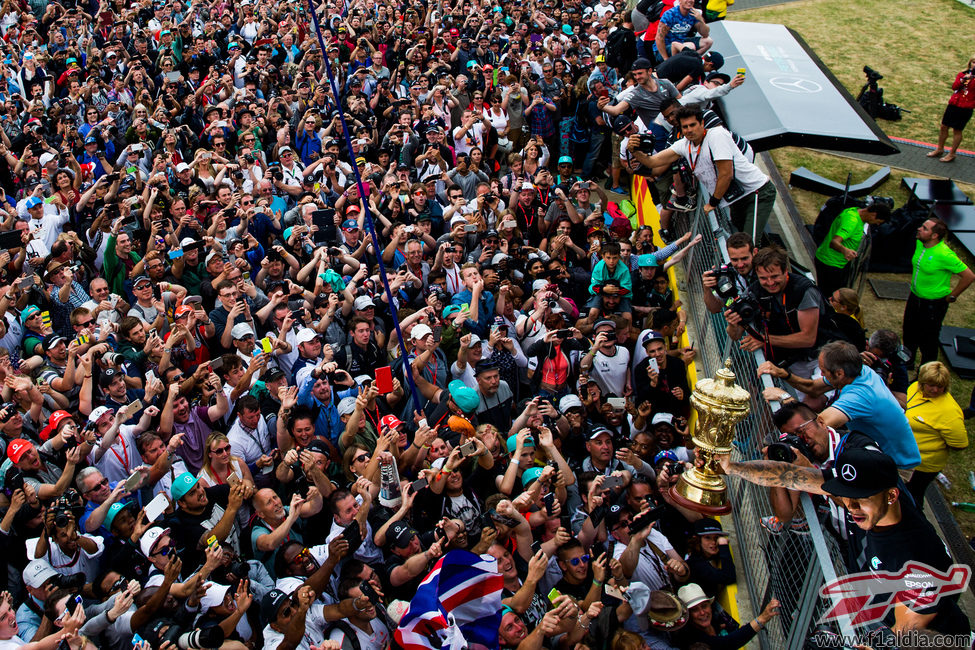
[458,219]
[498,258]
[47,157]
[568,402]
[439,463]
[241,331]
[475,340]
[663,417]
[186,241]
[526,186]
[37,572]
[419,331]
[363,302]
[305,334]
[346,406]
[150,537]
[98,412]
[362,379]
[182,167]
[538,285]
[213,597]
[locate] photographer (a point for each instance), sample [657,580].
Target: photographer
[741,252]
[864,403]
[784,311]
[731,181]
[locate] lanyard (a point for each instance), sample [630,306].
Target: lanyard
[125,451]
[693,162]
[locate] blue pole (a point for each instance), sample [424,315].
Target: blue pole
[365,206]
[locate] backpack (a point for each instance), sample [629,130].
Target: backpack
[621,49]
[652,9]
[830,210]
[346,629]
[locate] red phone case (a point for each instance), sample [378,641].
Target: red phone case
[384,380]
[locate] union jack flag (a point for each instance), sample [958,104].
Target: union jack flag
[458,605]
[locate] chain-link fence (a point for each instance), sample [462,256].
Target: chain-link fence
[793,564]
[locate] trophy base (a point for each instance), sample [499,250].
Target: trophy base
[711,500]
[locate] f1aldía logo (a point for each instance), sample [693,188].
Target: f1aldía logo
[867,597]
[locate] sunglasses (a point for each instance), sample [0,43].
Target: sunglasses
[222,450]
[361,458]
[582,559]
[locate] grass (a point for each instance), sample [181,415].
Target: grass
[903,41]
[872,32]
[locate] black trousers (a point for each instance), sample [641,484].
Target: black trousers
[918,485]
[922,327]
[829,278]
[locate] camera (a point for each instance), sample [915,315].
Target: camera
[725,285]
[746,306]
[646,143]
[113,358]
[62,512]
[784,450]
[14,481]
[872,75]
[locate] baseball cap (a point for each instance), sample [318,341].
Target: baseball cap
[241,331]
[475,341]
[569,402]
[51,340]
[113,512]
[465,397]
[17,448]
[182,310]
[182,167]
[186,241]
[650,336]
[271,603]
[346,406]
[599,431]
[512,442]
[99,411]
[52,423]
[400,534]
[183,484]
[350,224]
[707,526]
[46,157]
[716,59]
[663,418]
[621,123]
[420,331]
[213,255]
[530,475]
[305,335]
[614,515]
[363,302]
[861,472]
[150,537]
[565,159]
[604,323]
[390,421]
[724,78]
[484,365]
[37,572]
[285,149]
[213,597]
[27,312]
[642,63]
[34,201]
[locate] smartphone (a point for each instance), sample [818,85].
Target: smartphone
[26,282]
[549,501]
[740,71]
[510,223]
[419,484]
[384,380]
[266,346]
[468,448]
[617,403]
[563,334]
[646,518]
[536,546]
[367,590]
[114,298]
[136,406]
[437,333]
[134,480]
[470,228]
[613,483]
[654,365]
[136,639]
[612,590]
[46,318]
[176,254]
[212,541]
[553,595]
[137,147]
[156,507]
[150,376]
[216,364]
[353,535]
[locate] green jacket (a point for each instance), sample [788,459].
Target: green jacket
[115,272]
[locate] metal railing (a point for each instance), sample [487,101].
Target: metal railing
[790,566]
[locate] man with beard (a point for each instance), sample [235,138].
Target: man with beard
[199,516]
[601,459]
[496,396]
[195,422]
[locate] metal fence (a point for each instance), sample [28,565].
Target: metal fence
[790,566]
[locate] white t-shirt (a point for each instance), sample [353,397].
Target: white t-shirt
[473,137]
[378,639]
[610,372]
[649,566]
[81,562]
[719,145]
[314,630]
[14,642]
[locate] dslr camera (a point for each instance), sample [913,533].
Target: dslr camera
[784,449]
[747,307]
[725,285]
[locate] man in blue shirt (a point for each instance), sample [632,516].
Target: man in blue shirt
[677,30]
[865,404]
[316,392]
[481,301]
[307,141]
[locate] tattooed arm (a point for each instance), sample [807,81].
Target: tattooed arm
[771,473]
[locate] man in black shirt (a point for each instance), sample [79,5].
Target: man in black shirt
[688,67]
[406,560]
[199,515]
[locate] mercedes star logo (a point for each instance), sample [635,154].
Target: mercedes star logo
[849,473]
[796,85]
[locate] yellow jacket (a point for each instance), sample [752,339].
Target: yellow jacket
[720,6]
[937,425]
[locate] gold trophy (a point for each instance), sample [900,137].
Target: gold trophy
[720,404]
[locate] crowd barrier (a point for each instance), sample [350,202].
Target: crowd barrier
[792,566]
